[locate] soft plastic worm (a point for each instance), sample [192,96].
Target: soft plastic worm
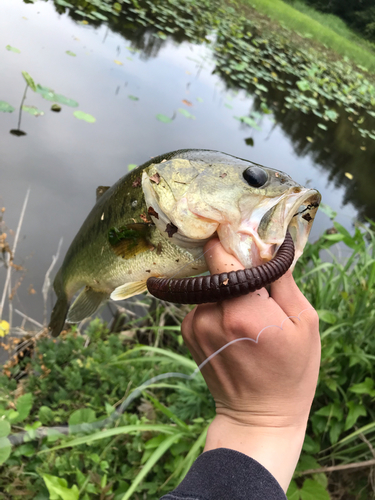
[222,286]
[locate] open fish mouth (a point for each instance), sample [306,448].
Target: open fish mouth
[272,244]
[262,231]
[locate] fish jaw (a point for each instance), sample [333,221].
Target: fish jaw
[262,229]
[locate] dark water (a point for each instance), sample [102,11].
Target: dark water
[62,159]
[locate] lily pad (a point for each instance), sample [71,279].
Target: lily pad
[100,16]
[33,110]
[163,118]
[50,95]
[303,85]
[17,132]
[13,49]
[30,82]
[63,3]
[186,113]
[249,121]
[5,107]
[331,114]
[84,116]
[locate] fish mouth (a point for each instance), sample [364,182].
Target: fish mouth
[262,231]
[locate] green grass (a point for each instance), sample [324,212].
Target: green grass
[333,22]
[326,29]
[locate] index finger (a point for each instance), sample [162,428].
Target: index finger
[220,261]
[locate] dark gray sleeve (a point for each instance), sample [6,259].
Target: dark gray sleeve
[225,474]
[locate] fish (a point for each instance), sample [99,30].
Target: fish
[156,219]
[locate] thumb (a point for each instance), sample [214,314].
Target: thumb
[218,260]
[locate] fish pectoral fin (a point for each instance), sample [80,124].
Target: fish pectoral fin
[87,302]
[128,290]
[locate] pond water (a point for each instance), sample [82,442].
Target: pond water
[124,81]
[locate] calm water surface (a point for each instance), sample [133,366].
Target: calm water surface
[62,159]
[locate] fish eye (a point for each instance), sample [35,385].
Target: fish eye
[255,176]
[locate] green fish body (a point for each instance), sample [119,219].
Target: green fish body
[156,219]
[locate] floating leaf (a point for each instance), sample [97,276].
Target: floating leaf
[199,99]
[131,166]
[5,107]
[331,114]
[249,121]
[30,82]
[186,113]
[133,97]
[349,175]
[4,328]
[84,116]
[161,35]
[118,62]
[32,110]
[322,126]
[117,7]
[63,3]
[188,103]
[13,49]
[50,95]
[17,132]
[99,16]
[56,108]
[249,141]
[228,106]
[310,139]
[163,118]
[303,85]
[70,53]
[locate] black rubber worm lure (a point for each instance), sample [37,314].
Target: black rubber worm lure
[216,287]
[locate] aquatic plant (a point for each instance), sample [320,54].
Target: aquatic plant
[55,400]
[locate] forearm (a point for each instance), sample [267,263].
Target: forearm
[276,448]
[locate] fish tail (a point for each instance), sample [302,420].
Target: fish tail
[58,316]
[61,307]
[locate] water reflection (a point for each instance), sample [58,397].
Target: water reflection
[63,159]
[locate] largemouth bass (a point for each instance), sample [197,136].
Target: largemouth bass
[155,220]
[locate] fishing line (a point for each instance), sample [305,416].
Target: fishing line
[18,438]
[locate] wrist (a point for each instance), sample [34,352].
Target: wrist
[276,448]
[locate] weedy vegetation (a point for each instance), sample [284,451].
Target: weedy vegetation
[63,437]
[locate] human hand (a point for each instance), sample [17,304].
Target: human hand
[263,387]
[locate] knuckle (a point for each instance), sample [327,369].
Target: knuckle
[312,318]
[232,323]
